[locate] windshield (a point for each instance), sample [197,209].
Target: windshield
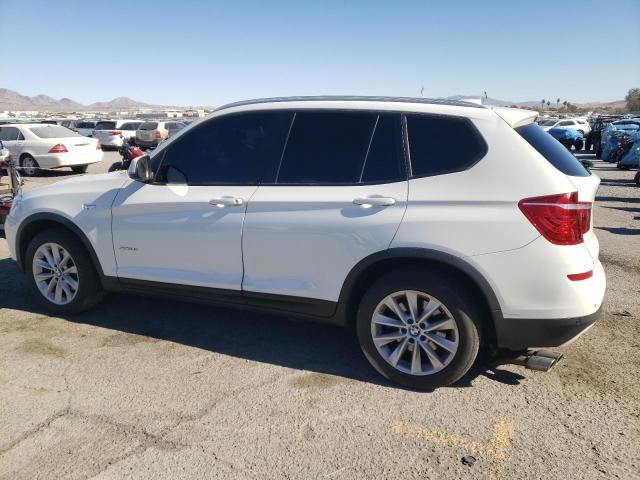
[53,131]
[85,124]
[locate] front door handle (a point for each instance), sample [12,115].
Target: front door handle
[222,202]
[374,201]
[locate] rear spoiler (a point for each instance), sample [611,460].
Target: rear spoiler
[516,117]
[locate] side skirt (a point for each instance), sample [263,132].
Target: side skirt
[313,309]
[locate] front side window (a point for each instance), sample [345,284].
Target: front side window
[440,144]
[241,149]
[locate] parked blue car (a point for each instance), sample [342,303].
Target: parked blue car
[568,137]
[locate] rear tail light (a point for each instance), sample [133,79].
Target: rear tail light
[574,277]
[561,219]
[59,148]
[158,136]
[115,132]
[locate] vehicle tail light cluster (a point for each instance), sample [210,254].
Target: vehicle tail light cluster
[561,219]
[158,136]
[59,148]
[115,132]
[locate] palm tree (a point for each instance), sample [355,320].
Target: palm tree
[557,103]
[548,103]
[543,102]
[565,103]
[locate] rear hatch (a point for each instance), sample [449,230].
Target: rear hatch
[585,183]
[147,131]
[105,130]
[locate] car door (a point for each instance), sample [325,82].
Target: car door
[339,196]
[186,227]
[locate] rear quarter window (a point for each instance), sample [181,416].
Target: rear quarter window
[551,149]
[440,145]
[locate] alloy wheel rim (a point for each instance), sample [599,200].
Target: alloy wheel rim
[55,273]
[414,332]
[29,166]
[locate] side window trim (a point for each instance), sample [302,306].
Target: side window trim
[366,154]
[284,149]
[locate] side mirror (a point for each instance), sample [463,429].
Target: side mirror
[140,170]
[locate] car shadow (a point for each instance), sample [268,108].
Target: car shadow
[259,337]
[621,230]
[618,199]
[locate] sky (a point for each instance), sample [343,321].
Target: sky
[188,53]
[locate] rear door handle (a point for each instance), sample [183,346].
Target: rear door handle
[374,201]
[222,202]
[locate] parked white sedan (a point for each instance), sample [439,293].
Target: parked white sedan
[37,145]
[578,124]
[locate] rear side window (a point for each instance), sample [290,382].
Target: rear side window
[148,126]
[385,160]
[327,148]
[8,134]
[105,125]
[231,150]
[439,145]
[551,149]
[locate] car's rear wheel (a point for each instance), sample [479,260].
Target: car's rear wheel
[61,272]
[29,166]
[579,144]
[418,330]
[80,169]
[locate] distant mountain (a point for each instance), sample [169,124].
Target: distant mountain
[494,102]
[10,100]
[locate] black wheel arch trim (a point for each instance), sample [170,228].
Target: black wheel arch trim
[64,222]
[408,253]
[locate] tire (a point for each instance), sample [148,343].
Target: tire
[88,290]
[80,169]
[579,144]
[456,307]
[598,151]
[637,178]
[587,146]
[27,162]
[115,166]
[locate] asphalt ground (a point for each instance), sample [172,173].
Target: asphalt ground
[152,388]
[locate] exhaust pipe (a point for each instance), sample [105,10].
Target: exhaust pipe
[541,360]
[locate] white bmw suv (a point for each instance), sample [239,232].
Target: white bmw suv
[431,227]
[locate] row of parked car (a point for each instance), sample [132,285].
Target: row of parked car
[112,133]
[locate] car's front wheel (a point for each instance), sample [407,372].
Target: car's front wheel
[418,329]
[61,272]
[80,169]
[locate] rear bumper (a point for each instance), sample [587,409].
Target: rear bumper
[521,333]
[111,141]
[69,159]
